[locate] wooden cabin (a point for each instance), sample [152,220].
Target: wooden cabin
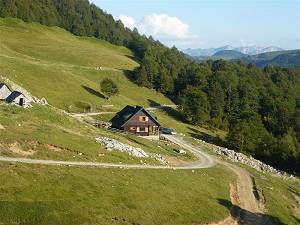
[136,120]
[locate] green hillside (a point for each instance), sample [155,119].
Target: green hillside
[61,67]
[289,58]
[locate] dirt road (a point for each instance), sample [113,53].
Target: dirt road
[246,209]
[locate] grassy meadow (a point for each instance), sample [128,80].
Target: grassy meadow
[52,63]
[68,195]
[50,134]
[279,197]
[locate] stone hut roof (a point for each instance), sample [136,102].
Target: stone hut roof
[13,96]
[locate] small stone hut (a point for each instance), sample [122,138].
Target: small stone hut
[19,99]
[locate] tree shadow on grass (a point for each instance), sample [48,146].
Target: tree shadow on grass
[134,58]
[93,92]
[205,137]
[153,103]
[201,135]
[130,75]
[245,217]
[174,113]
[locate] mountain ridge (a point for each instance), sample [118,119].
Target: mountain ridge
[249,50]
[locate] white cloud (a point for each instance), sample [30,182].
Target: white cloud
[164,25]
[128,21]
[168,29]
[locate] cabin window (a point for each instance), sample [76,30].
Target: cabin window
[144,118]
[132,128]
[142,129]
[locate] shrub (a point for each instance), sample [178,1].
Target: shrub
[108,87]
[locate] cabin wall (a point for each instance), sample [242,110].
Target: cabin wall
[137,126]
[4,92]
[16,101]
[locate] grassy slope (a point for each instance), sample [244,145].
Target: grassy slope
[279,199]
[276,193]
[50,195]
[52,63]
[27,127]
[55,64]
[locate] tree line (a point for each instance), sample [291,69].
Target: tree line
[259,108]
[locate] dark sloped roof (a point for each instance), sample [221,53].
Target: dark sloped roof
[13,96]
[126,113]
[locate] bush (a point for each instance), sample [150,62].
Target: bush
[84,106]
[108,87]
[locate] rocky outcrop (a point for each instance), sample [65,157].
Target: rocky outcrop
[112,144]
[248,160]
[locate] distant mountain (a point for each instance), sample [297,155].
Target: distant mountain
[249,50]
[229,54]
[287,58]
[290,58]
[255,50]
[206,51]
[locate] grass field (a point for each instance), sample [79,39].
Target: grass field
[52,63]
[53,135]
[279,196]
[66,195]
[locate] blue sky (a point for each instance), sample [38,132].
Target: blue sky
[197,23]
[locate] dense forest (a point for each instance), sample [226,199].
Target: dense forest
[260,108]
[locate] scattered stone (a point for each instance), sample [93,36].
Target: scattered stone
[250,161]
[2,127]
[111,144]
[181,151]
[160,158]
[41,101]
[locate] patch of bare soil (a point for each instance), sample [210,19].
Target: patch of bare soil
[227,221]
[16,148]
[2,127]
[174,161]
[247,209]
[54,148]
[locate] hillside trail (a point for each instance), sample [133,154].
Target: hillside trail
[246,208]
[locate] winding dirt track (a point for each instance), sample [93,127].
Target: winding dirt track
[246,209]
